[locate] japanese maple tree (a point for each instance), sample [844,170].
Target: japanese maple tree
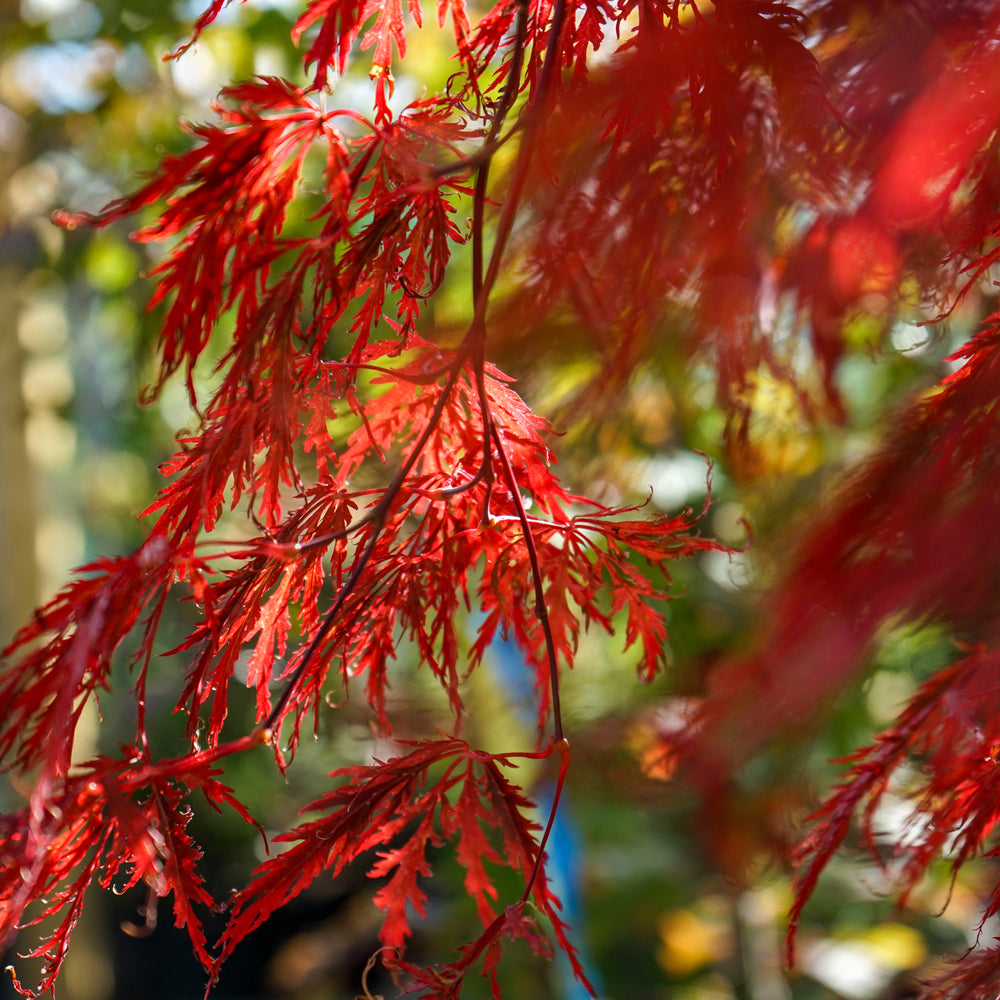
[775,169]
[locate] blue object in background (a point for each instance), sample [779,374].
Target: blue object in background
[562,852]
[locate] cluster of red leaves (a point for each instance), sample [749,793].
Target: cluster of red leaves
[949,730]
[377,803]
[431,490]
[361,570]
[119,822]
[717,157]
[907,537]
[902,542]
[732,158]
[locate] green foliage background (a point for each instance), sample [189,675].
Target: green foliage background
[667,909]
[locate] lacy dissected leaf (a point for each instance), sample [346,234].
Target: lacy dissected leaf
[207,17]
[949,730]
[387,32]
[460,24]
[63,658]
[438,790]
[402,558]
[119,822]
[55,855]
[255,600]
[227,201]
[246,445]
[971,977]
[403,242]
[340,23]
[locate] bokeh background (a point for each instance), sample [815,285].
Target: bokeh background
[664,909]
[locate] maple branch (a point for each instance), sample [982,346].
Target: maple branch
[322,540]
[453,491]
[484,406]
[482,286]
[182,766]
[393,564]
[532,120]
[536,576]
[548,72]
[492,144]
[425,378]
[564,758]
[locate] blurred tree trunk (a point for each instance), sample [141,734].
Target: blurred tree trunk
[19,578]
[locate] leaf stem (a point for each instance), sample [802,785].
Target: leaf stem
[536,576]
[562,744]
